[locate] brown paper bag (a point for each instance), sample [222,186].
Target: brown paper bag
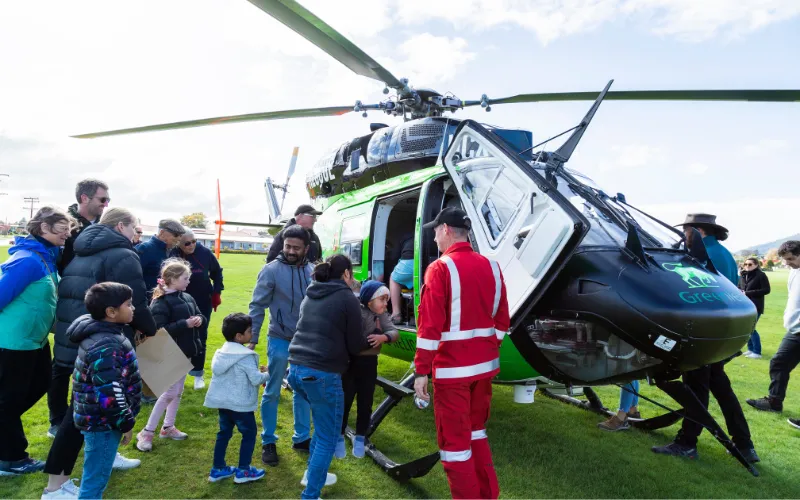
[161,362]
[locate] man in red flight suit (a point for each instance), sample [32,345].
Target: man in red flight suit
[463,317]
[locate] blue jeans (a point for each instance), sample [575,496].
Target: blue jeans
[754,344]
[323,392]
[246,423]
[99,451]
[627,399]
[277,362]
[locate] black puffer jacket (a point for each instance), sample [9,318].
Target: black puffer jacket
[101,254]
[170,312]
[105,384]
[69,252]
[755,285]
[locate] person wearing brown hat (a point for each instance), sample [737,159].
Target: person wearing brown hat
[713,233]
[305,216]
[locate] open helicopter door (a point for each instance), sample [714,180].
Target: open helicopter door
[518,219]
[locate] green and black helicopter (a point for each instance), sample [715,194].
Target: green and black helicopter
[600,292]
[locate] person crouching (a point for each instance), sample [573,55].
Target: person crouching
[359,380]
[106,386]
[235,378]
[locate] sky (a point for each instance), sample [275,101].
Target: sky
[75,67]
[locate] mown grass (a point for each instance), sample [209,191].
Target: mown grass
[546,449]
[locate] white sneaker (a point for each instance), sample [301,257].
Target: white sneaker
[67,490]
[745,353]
[199,383]
[330,480]
[122,463]
[753,355]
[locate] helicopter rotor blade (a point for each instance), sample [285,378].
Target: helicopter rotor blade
[318,32]
[652,95]
[269,115]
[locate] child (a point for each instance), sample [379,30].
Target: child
[235,377]
[106,386]
[179,315]
[359,380]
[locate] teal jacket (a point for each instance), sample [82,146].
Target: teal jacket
[722,259]
[28,294]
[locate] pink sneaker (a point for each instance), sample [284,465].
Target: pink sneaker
[144,440]
[173,433]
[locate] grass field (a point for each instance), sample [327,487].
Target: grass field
[546,449]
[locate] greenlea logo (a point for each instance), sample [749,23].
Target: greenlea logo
[692,276]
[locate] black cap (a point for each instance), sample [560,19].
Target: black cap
[451,216]
[307,209]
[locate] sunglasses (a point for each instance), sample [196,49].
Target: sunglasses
[104,199]
[748,264]
[189,243]
[139,232]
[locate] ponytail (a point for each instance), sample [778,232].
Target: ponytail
[171,269]
[333,268]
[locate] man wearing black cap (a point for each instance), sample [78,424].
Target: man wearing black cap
[305,216]
[463,317]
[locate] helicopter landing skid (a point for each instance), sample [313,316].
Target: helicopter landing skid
[400,472]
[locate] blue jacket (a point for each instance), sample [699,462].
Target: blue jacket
[28,294]
[152,253]
[722,259]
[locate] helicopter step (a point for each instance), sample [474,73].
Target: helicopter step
[400,472]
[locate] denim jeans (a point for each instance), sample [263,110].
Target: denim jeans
[754,344]
[98,459]
[277,362]
[627,399]
[323,393]
[246,423]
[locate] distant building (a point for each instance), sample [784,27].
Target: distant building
[244,239]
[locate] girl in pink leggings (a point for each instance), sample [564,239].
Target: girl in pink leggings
[178,314]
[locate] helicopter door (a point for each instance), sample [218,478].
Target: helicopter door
[518,219]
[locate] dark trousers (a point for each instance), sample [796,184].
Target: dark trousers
[782,364]
[58,393]
[246,423]
[66,446]
[199,359]
[712,378]
[359,380]
[24,379]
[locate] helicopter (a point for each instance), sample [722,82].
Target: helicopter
[599,291]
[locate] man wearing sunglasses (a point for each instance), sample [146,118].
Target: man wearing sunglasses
[92,197]
[205,287]
[305,216]
[137,235]
[153,252]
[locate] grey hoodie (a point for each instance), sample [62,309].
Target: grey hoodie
[281,288]
[234,379]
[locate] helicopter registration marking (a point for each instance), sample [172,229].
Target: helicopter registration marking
[664,343]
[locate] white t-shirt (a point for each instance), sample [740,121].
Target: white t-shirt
[791,317]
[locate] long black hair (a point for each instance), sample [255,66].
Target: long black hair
[333,268]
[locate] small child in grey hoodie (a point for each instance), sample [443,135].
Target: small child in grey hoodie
[235,378]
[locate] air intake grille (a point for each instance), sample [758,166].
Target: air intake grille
[420,137]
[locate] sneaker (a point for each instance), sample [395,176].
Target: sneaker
[304,446]
[67,490]
[358,447]
[221,473]
[745,353]
[340,451]
[635,415]
[18,467]
[330,479]
[766,403]
[52,431]
[269,454]
[752,355]
[199,383]
[248,475]
[148,400]
[614,424]
[794,422]
[677,450]
[750,455]
[144,440]
[122,463]
[172,433]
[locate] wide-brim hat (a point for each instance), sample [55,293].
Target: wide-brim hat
[702,219]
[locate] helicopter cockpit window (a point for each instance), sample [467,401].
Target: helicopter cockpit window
[662,236]
[493,193]
[603,231]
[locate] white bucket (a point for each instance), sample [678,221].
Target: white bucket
[524,393]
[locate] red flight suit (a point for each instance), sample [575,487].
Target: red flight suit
[463,317]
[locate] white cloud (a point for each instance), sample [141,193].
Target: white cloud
[433,59]
[766,146]
[696,168]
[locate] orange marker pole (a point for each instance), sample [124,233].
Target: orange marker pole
[218,243]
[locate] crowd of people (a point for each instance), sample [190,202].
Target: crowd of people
[85,275]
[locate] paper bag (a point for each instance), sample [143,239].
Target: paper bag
[161,362]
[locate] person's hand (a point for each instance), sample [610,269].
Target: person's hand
[251,346]
[376,339]
[216,300]
[126,438]
[194,321]
[421,387]
[262,368]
